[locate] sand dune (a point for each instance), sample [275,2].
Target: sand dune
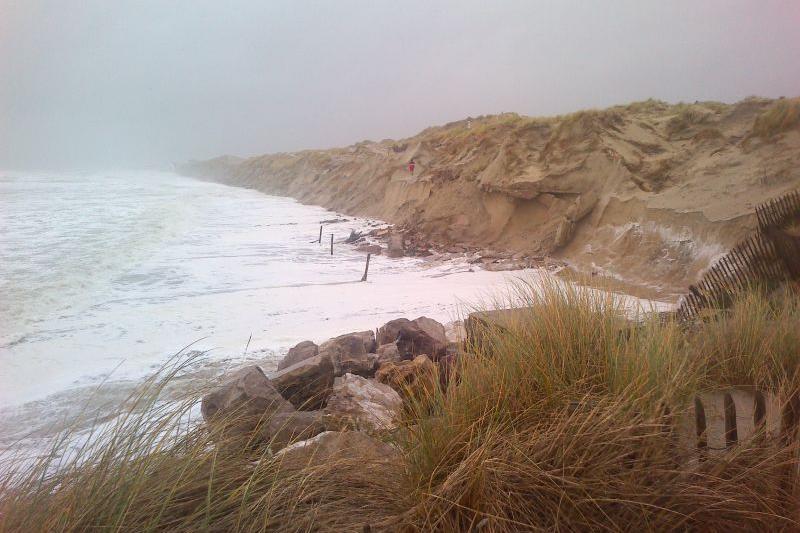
[648,193]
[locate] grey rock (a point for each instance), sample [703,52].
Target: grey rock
[306,384]
[415,337]
[352,353]
[333,447]
[301,351]
[388,353]
[364,403]
[245,400]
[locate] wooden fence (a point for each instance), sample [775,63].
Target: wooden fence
[771,255]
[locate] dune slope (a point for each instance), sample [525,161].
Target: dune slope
[649,193]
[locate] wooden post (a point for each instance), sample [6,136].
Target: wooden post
[320,234]
[331,243]
[366,269]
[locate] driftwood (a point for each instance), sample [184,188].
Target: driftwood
[354,236]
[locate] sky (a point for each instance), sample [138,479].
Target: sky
[94,84]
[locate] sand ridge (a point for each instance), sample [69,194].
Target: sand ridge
[648,193]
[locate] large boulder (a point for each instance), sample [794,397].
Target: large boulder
[364,403]
[248,405]
[285,427]
[245,401]
[306,384]
[388,353]
[422,335]
[352,353]
[300,352]
[339,449]
[389,332]
[432,328]
[357,341]
[417,378]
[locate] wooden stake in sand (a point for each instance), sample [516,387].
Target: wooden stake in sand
[320,235]
[331,243]
[366,269]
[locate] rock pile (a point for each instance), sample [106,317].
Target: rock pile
[357,382]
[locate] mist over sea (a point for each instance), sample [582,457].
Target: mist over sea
[105,276]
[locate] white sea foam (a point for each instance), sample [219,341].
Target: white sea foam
[105,276]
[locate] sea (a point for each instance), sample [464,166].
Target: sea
[107,276]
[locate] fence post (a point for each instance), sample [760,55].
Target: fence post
[366,269]
[331,243]
[320,235]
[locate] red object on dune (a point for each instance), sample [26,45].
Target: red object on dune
[411,166]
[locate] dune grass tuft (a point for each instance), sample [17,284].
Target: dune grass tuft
[562,418]
[781,116]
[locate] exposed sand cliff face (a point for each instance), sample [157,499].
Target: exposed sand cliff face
[649,193]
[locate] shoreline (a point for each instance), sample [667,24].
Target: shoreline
[649,194]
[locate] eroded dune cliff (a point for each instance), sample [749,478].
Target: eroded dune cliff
[649,193]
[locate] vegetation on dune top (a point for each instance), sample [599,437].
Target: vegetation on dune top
[781,116]
[562,419]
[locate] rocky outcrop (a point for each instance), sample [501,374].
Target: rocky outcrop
[306,384]
[307,397]
[364,403]
[301,351]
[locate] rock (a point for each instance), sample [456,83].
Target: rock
[412,379]
[350,342]
[306,384]
[433,328]
[285,427]
[300,352]
[352,353]
[389,332]
[364,402]
[396,245]
[247,399]
[373,249]
[413,337]
[334,447]
[388,353]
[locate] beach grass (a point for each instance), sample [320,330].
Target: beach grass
[781,116]
[562,419]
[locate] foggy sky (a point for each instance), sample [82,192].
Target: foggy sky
[105,83]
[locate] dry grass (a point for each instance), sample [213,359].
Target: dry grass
[559,420]
[781,116]
[686,117]
[707,134]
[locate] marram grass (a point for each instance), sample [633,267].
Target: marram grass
[562,420]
